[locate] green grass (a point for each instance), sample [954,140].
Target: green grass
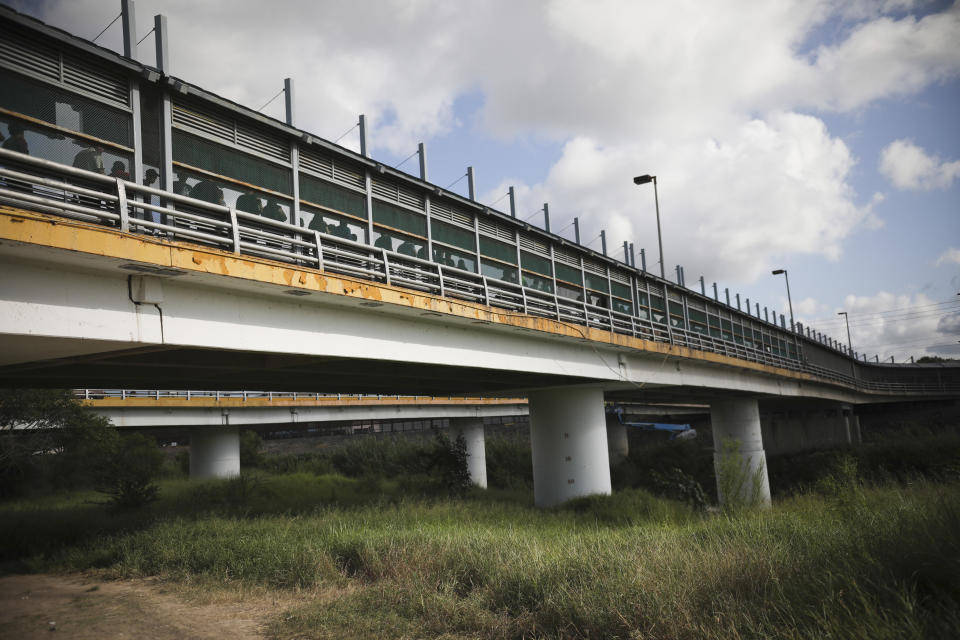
[853,562]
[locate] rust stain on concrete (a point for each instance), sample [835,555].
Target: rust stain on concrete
[44,230]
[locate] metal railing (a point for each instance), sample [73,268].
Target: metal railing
[45,186]
[157,394]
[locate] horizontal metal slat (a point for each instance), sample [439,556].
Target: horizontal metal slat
[21,53]
[95,80]
[262,142]
[203,122]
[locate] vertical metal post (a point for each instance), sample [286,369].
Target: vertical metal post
[679,277]
[422,151]
[603,241]
[703,287]
[546,216]
[288,99]
[748,306]
[738,302]
[295,170]
[758,309]
[163,64]
[288,93]
[160,40]
[513,202]
[128,12]
[726,291]
[766,314]
[633,257]
[626,252]
[363,135]
[576,229]
[470,184]
[643,259]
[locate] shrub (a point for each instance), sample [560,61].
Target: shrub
[251,446]
[127,471]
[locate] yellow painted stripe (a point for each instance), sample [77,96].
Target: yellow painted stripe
[299,402]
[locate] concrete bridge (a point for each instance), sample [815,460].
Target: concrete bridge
[352,277]
[213,418]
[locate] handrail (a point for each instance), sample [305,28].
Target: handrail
[250,234]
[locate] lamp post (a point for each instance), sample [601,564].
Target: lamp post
[777,272]
[644,179]
[847,319]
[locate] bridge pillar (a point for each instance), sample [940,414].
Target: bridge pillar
[214,453]
[472,431]
[738,457]
[617,439]
[568,437]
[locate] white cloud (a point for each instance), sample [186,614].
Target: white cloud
[897,325]
[950,256]
[910,167]
[768,188]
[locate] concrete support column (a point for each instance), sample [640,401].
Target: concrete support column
[617,440]
[855,429]
[738,457]
[214,453]
[472,431]
[568,436]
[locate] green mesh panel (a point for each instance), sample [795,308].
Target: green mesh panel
[64,109]
[452,258]
[620,290]
[568,274]
[226,162]
[498,271]
[498,250]
[566,291]
[333,197]
[536,263]
[538,283]
[41,142]
[656,302]
[399,218]
[597,283]
[449,234]
[622,306]
[406,245]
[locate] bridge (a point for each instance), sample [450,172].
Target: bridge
[212,418]
[266,257]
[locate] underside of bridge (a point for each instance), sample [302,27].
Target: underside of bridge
[192,368]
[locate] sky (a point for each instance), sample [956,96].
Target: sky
[817,136]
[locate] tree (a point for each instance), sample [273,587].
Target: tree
[127,470]
[47,434]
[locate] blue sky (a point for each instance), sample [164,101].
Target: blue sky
[819,136]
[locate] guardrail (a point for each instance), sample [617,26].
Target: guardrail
[157,394]
[46,186]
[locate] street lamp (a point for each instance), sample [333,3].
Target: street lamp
[644,179]
[847,318]
[777,272]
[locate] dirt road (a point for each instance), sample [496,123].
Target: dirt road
[84,607]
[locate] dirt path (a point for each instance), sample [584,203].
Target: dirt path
[85,607]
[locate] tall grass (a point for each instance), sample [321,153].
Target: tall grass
[853,562]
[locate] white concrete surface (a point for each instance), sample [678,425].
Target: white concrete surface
[738,448]
[568,436]
[214,453]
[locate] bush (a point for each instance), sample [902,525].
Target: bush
[128,470]
[250,449]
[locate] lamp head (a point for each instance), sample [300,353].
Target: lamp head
[777,272]
[644,179]
[841,313]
